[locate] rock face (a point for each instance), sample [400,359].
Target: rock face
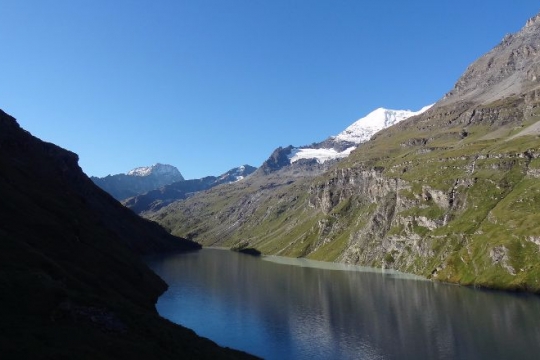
[278,160]
[72,284]
[156,199]
[139,180]
[452,194]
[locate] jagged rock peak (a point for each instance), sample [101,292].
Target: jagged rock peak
[158,169]
[535,20]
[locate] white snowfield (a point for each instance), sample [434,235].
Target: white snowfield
[363,129]
[154,169]
[359,132]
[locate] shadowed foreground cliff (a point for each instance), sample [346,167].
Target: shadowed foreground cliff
[72,284]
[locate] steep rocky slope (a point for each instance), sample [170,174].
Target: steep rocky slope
[509,69]
[72,284]
[452,194]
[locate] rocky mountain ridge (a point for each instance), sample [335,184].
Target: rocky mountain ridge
[510,68]
[452,194]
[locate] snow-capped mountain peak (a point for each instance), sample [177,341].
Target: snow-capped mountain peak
[341,145]
[157,169]
[362,130]
[138,181]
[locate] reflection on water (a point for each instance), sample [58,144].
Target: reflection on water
[337,266]
[281,311]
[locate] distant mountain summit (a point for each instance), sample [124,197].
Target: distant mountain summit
[236,174]
[139,180]
[162,170]
[157,198]
[341,145]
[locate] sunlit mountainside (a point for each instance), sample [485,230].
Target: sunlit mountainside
[452,193]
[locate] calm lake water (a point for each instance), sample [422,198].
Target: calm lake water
[280,308]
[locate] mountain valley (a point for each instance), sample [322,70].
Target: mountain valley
[114,267]
[451,194]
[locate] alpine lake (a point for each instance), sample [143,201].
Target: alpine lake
[283,308]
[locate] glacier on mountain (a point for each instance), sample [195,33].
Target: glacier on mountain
[321,155]
[359,132]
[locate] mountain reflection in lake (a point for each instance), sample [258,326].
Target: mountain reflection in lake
[281,311]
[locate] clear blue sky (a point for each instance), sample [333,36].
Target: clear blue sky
[209,85]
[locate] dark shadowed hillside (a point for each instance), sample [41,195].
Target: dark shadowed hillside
[72,284]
